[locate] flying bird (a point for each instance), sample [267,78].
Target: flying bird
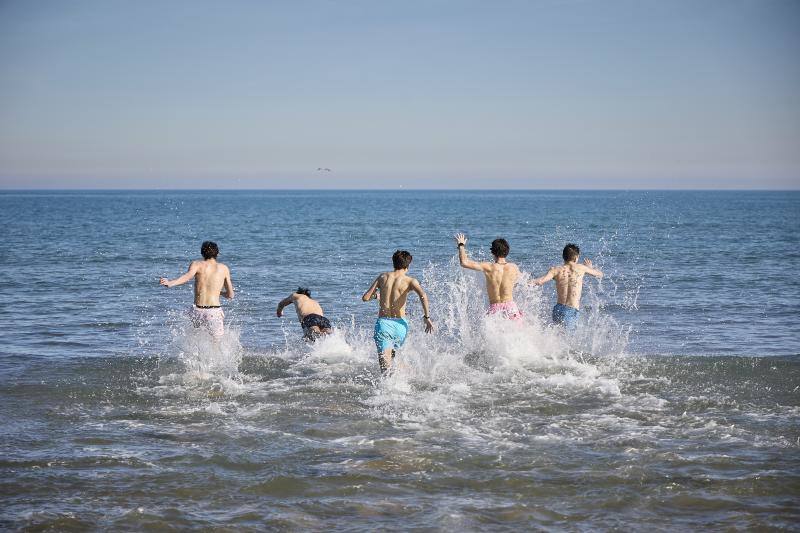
[323,169]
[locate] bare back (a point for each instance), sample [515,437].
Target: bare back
[393,292]
[500,281]
[208,282]
[305,305]
[569,283]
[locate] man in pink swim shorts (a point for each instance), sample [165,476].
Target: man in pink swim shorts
[501,276]
[210,278]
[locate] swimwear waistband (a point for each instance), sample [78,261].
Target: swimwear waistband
[208,306]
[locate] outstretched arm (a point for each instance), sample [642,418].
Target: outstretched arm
[181,280]
[227,287]
[416,287]
[372,292]
[587,266]
[466,262]
[289,300]
[544,279]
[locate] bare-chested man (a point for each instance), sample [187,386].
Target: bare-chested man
[210,278]
[309,313]
[569,285]
[501,276]
[391,289]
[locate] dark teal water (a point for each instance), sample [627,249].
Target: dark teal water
[676,404]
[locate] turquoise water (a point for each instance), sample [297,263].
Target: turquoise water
[676,403]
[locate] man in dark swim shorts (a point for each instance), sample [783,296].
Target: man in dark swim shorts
[309,313]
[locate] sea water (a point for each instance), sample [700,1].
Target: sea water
[675,405]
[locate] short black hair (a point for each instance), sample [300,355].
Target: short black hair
[571,252]
[303,290]
[500,248]
[401,259]
[209,249]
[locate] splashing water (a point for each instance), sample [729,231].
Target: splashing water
[206,362]
[485,424]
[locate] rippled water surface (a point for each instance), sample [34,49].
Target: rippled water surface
[676,405]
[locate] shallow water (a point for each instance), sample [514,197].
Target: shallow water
[676,405]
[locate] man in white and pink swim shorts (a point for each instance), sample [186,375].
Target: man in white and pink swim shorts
[210,278]
[501,276]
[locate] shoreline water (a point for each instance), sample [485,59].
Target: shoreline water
[135,420]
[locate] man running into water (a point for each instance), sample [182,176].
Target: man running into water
[501,276]
[210,278]
[391,327]
[309,313]
[569,285]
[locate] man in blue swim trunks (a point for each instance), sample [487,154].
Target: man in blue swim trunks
[569,285]
[391,289]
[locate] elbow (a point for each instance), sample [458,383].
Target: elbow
[365,298]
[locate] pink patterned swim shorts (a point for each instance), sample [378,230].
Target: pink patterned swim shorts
[210,318]
[508,310]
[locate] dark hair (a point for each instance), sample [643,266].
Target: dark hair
[571,252]
[401,259]
[303,290]
[209,249]
[500,248]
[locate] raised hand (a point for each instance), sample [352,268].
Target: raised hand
[460,239]
[164,282]
[587,262]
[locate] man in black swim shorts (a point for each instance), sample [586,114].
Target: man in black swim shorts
[309,313]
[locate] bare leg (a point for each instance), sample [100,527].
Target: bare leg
[312,333]
[385,359]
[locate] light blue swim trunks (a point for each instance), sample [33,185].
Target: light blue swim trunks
[566,316]
[390,333]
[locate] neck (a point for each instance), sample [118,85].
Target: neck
[401,270]
[500,260]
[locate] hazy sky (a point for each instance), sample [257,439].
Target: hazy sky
[441,94]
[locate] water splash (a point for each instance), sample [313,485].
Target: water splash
[207,363]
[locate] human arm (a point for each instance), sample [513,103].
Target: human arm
[589,269]
[466,262]
[289,300]
[372,292]
[423,298]
[544,279]
[181,280]
[227,286]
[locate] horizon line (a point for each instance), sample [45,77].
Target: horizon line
[399,189]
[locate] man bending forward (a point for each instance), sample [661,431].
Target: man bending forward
[309,313]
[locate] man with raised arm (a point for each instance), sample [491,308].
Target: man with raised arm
[210,277]
[569,285]
[501,276]
[391,289]
[309,313]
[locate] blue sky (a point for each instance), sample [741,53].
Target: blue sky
[439,94]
